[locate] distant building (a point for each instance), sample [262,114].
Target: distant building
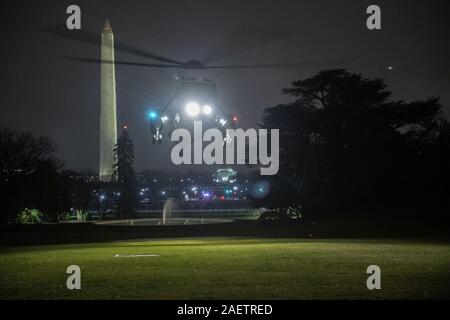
[225,175]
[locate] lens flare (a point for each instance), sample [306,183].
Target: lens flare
[260,189]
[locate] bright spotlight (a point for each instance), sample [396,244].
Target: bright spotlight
[207,109]
[192,109]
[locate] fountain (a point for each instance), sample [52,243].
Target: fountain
[167,210]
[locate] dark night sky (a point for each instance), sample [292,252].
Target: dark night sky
[50,96]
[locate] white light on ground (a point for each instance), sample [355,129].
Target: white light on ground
[135,255]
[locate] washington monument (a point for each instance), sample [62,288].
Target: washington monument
[108,122]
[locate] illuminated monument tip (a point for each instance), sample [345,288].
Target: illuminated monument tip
[108,122]
[107,26]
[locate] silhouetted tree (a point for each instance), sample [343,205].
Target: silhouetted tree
[84,189]
[344,145]
[51,191]
[126,176]
[108,198]
[22,157]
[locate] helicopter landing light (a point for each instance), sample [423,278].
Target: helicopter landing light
[193,109]
[207,109]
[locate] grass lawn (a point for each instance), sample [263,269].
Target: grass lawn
[229,268]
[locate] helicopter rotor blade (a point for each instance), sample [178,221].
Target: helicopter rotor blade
[92,38]
[118,62]
[299,64]
[242,39]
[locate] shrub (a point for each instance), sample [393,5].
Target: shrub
[30,216]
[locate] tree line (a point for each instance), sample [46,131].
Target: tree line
[347,148]
[33,177]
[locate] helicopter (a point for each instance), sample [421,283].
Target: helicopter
[194,98]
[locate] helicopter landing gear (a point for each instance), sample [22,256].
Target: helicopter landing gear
[176,120]
[156,133]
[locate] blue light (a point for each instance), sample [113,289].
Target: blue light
[153,115]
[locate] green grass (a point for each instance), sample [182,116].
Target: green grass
[227,268]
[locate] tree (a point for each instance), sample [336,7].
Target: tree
[51,191]
[345,145]
[126,176]
[83,188]
[22,156]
